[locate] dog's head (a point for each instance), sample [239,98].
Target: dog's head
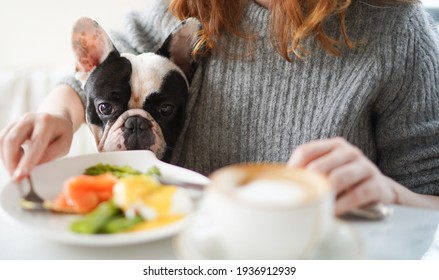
[134,102]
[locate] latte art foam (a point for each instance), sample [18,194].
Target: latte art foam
[272,192]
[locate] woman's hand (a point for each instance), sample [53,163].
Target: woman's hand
[355,179]
[33,139]
[40,137]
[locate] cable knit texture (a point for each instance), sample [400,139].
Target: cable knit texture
[382,96]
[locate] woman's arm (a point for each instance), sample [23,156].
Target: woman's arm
[409,198]
[64,101]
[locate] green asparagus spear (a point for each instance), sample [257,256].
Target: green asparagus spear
[121,223]
[95,220]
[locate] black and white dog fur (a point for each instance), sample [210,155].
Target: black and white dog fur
[134,102]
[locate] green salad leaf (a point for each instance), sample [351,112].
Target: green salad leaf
[119,171]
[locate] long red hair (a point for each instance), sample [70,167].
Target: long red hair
[291,22]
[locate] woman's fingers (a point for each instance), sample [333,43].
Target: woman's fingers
[354,178]
[59,147]
[36,147]
[308,152]
[348,175]
[362,194]
[312,152]
[43,137]
[338,157]
[342,162]
[12,141]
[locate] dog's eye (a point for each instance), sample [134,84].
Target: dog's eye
[166,110]
[105,108]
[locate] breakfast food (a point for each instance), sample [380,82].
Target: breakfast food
[119,171]
[124,199]
[145,196]
[82,194]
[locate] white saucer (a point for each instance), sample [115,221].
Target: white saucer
[343,243]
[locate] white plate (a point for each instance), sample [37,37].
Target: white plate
[342,243]
[48,179]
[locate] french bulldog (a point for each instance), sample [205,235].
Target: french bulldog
[134,102]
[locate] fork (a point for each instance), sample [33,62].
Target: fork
[195,190]
[181,183]
[33,202]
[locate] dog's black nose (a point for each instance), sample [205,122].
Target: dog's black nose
[137,123]
[138,134]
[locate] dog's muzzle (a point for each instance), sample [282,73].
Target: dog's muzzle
[137,133]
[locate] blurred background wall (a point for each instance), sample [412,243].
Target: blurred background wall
[37,32]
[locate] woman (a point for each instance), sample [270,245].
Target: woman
[347,88]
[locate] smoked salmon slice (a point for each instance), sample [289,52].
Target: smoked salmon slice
[83,193]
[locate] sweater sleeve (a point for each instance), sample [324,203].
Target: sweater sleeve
[408,106]
[145,31]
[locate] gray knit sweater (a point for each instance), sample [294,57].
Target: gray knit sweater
[383,96]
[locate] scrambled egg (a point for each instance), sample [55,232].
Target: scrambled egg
[157,204]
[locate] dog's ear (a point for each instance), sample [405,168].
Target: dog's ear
[91,46]
[179,45]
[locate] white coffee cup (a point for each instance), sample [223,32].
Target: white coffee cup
[266,211]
